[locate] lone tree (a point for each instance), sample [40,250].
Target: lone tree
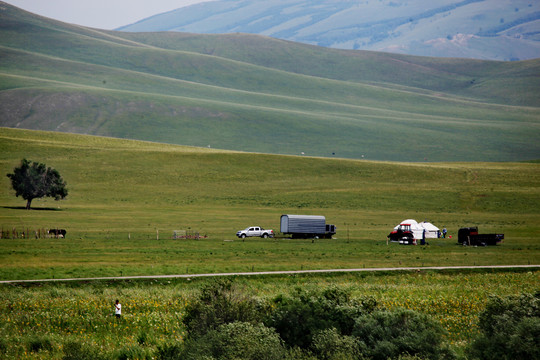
[33,180]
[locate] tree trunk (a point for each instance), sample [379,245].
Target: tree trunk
[28,202]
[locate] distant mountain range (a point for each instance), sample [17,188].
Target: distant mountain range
[259,94]
[479,29]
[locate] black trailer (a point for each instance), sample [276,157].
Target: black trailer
[469,236]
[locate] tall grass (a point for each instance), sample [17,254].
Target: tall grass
[41,321]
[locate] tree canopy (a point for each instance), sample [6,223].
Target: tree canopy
[33,180]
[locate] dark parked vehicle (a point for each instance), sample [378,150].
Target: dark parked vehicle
[469,236]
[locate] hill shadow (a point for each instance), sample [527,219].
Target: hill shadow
[34,208]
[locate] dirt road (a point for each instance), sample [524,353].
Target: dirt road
[292,272]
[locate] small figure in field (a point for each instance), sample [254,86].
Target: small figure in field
[444,233]
[117,309]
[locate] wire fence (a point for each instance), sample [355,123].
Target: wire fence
[28,233]
[59,233]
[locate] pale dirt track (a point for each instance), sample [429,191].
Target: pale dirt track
[292,272]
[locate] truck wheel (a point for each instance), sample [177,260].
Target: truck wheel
[265,235]
[243,236]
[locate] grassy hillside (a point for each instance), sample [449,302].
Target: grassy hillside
[126,198]
[456,76]
[248,93]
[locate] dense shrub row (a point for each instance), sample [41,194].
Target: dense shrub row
[328,324]
[222,323]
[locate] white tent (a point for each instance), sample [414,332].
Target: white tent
[418,229]
[432,231]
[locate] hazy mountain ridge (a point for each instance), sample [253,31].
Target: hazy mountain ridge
[254,93]
[501,30]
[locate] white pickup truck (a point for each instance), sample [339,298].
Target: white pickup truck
[254,231]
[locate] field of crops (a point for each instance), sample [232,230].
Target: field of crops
[37,321]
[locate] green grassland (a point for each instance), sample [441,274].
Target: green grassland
[57,314]
[126,198]
[256,94]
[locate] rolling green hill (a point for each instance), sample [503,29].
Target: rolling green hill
[251,93]
[125,194]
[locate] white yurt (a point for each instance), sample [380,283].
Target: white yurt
[432,232]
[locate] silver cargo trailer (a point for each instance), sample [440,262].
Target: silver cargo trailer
[306,226]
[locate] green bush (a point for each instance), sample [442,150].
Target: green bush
[220,303]
[39,343]
[298,318]
[132,352]
[223,324]
[329,344]
[237,340]
[296,353]
[169,352]
[3,346]
[74,350]
[388,335]
[509,329]
[145,338]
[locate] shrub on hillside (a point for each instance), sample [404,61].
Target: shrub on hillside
[169,351]
[222,323]
[132,351]
[299,317]
[388,335]
[329,344]
[74,350]
[509,329]
[220,303]
[237,340]
[39,343]
[3,346]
